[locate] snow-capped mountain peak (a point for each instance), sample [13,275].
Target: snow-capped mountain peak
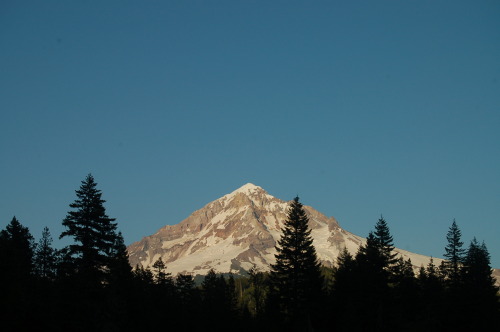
[238,231]
[248,188]
[257,195]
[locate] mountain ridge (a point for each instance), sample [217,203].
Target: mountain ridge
[239,230]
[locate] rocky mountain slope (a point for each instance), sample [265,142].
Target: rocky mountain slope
[240,230]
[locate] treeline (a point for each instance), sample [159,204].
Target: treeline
[90,286]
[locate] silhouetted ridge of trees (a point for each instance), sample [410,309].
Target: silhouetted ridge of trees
[90,286]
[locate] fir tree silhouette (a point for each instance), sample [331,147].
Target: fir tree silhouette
[296,281]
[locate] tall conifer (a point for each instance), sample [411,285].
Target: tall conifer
[385,243]
[93,232]
[480,289]
[17,249]
[454,254]
[16,286]
[374,270]
[45,257]
[296,278]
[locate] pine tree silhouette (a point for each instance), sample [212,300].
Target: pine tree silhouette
[480,289]
[45,257]
[296,277]
[92,230]
[16,278]
[454,254]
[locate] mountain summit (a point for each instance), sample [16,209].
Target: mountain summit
[237,231]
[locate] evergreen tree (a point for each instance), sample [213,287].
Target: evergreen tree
[120,288]
[90,296]
[186,288]
[163,295]
[230,299]
[17,250]
[189,304]
[296,277]
[377,256]
[343,274]
[45,257]
[481,291]
[477,269]
[404,289]
[45,293]
[344,295]
[16,282]
[258,291]
[422,275]
[433,280]
[374,264]
[454,254]
[214,293]
[162,277]
[454,295]
[210,288]
[143,275]
[119,267]
[93,231]
[432,293]
[430,298]
[385,243]
[403,273]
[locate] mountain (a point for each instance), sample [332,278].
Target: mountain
[238,231]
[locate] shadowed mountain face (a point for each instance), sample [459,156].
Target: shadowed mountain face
[240,230]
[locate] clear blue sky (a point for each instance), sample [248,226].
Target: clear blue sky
[361,107]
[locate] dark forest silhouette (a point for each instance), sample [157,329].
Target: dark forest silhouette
[90,286]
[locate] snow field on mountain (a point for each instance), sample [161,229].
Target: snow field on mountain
[240,230]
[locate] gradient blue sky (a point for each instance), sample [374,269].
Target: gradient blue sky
[361,107]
